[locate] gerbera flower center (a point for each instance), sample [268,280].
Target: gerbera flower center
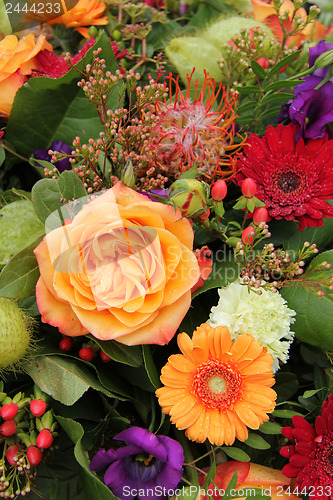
[288,182]
[325,454]
[217,384]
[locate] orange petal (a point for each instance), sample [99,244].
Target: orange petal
[189,419]
[181,363]
[57,313]
[246,415]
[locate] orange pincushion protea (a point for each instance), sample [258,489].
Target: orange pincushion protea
[85,13]
[217,389]
[199,130]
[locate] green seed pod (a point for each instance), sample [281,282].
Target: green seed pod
[15,334]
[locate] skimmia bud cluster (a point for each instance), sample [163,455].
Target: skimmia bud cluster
[26,430]
[126,130]
[274,268]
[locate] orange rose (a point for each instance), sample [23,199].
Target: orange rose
[17,60]
[122,269]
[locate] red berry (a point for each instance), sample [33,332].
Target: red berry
[249,188]
[8,428]
[86,353]
[66,344]
[44,439]
[12,452]
[105,357]
[246,235]
[205,215]
[8,412]
[34,455]
[219,190]
[37,407]
[260,214]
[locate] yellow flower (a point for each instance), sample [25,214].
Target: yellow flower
[217,389]
[85,13]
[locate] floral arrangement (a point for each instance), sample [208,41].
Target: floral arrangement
[166,222]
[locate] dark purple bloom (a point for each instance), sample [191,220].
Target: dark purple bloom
[163,193]
[312,109]
[148,466]
[42,154]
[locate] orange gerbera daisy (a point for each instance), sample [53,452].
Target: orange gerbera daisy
[85,13]
[217,389]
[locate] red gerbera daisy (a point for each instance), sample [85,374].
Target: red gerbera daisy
[293,178]
[311,457]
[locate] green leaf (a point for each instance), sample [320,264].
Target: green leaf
[314,315]
[270,428]
[150,366]
[92,486]
[65,379]
[281,84]
[249,105]
[249,89]
[284,62]
[128,355]
[236,453]
[56,108]
[19,227]
[19,277]
[258,70]
[48,195]
[225,270]
[309,394]
[285,413]
[257,442]
[279,96]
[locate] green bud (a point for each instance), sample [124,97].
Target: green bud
[127,176]
[116,35]
[232,241]
[190,196]
[93,31]
[324,60]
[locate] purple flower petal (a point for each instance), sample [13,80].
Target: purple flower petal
[312,109]
[172,471]
[117,479]
[144,439]
[315,52]
[102,459]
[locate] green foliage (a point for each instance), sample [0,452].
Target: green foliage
[314,315]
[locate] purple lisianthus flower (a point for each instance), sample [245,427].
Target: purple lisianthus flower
[147,467]
[62,147]
[312,109]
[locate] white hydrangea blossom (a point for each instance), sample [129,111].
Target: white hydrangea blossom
[266,317]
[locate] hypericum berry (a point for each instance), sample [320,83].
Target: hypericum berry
[12,452]
[8,428]
[219,190]
[249,188]
[37,407]
[260,214]
[205,215]
[246,238]
[65,344]
[104,357]
[86,353]
[9,411]
[44,439]
[34,455]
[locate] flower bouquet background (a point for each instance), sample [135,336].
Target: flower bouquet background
[165,250]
